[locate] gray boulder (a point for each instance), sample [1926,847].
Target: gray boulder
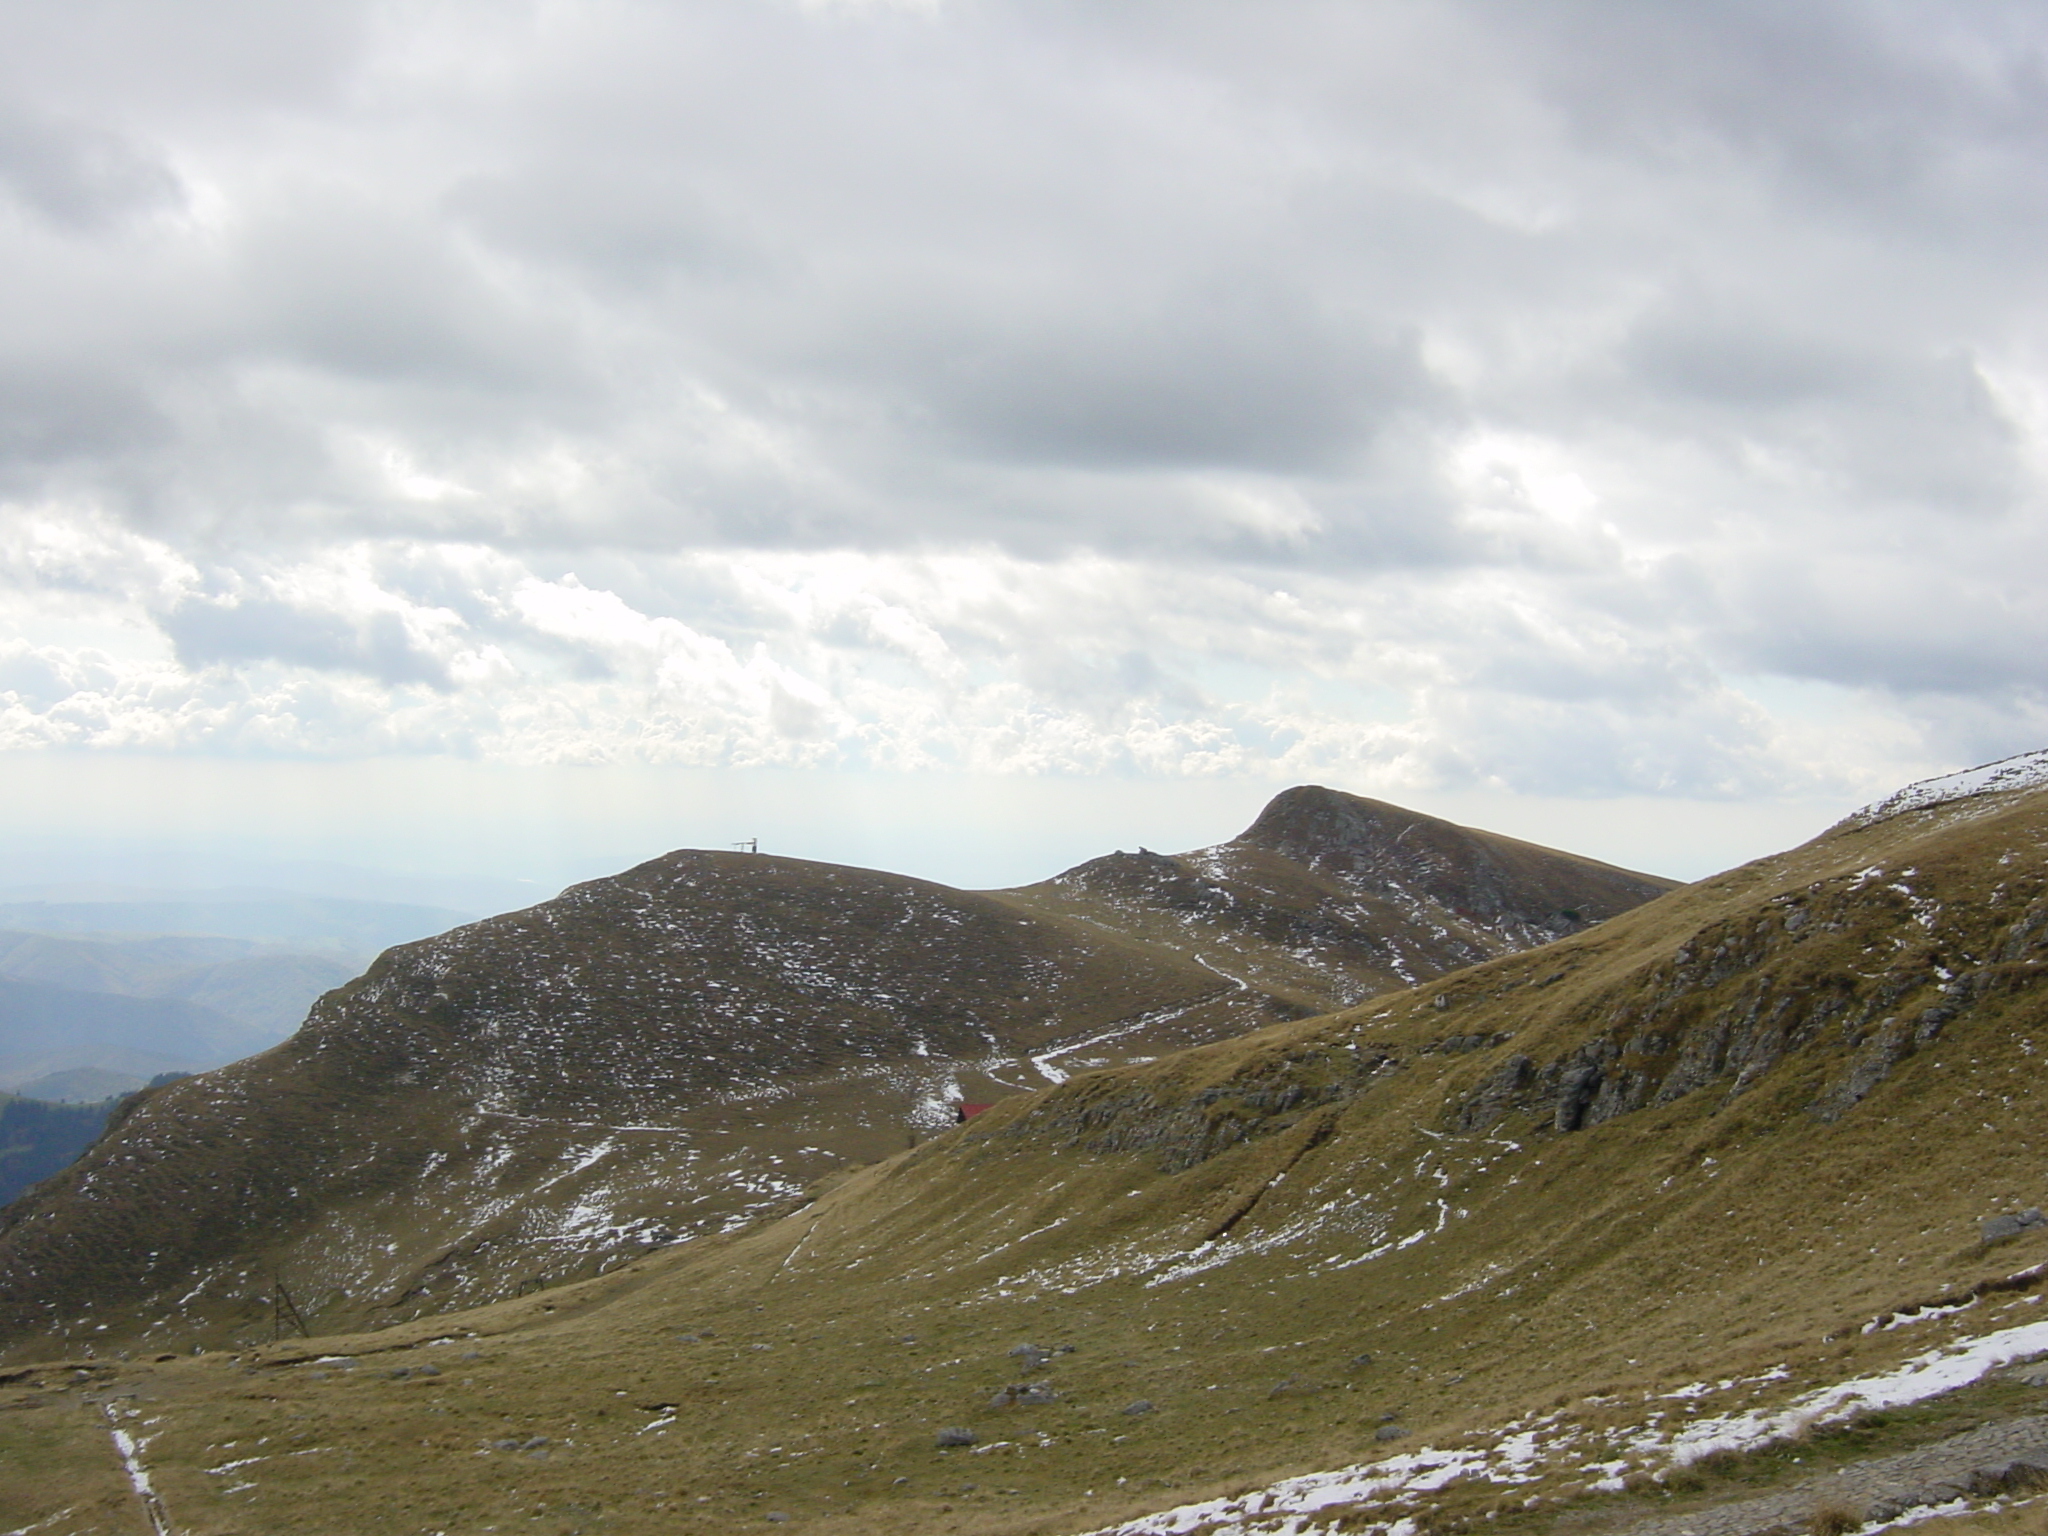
[1998,1229]
[2023,1473]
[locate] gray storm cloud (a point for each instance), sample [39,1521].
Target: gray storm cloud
[1556,396]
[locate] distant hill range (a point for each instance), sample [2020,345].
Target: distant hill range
[138,985]
[673,1051]
[276,917]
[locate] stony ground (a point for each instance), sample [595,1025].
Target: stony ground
[1982,1464]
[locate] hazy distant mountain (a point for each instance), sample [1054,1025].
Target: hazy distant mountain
[49,1029]
[355,927]
[66,870]
[260,985]
[675,1049]
[80,1085]
[232,997]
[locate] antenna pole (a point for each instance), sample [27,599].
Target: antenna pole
[283,1308]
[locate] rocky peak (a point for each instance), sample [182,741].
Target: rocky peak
[1377,849]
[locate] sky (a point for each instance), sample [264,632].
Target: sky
[506,440]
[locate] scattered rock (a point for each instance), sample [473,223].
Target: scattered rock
[2032,1374]
[1997,1229]
[955,1436]
[1358,1363]
[1390,1432]
[777,1516]
[1023,1395]
[1142,1406]
[1295,1386]
[1031,1355]
[2020,1475]
[426,1370]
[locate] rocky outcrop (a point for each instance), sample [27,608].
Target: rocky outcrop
[1184,1124]
[1512,888]
[1743,994]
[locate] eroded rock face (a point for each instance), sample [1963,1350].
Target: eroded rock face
[1183,1129]
[1742,995]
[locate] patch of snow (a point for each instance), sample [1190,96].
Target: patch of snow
[2028,770]
[1423,1471]
[1922,1315]
[130,1452]
[1929,1374]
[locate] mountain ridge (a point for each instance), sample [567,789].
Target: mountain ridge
[1289,1281]
[677,1049]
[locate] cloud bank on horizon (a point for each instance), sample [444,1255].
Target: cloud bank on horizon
[1562,398]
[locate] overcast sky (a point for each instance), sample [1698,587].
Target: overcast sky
[1541,403]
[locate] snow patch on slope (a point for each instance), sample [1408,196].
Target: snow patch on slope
[2029,770]
[1317,1503]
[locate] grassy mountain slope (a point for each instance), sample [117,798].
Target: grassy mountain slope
[669,1053]
[1550,1219]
